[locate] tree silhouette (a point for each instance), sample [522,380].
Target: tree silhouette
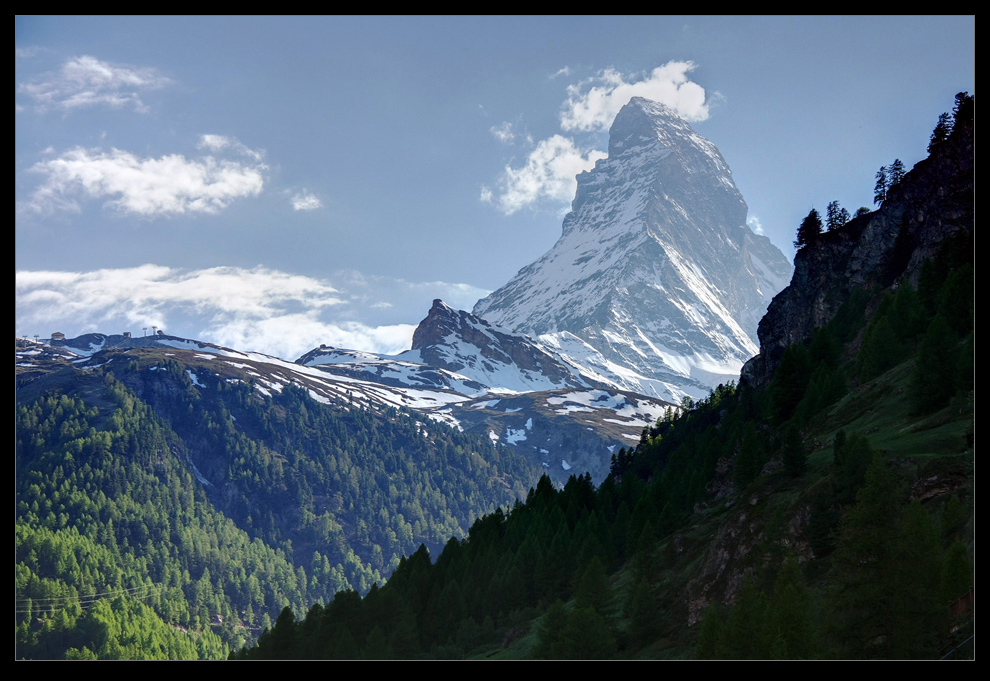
[810,229]
[896,173]
[880,189]
[835,216]
[940,134]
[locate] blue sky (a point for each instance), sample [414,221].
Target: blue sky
[273,184]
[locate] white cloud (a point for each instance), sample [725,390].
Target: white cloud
[257,309]
[87,81]
[754,224]
[591,106]
[304,200]
[593,103]
[150,187]
[292,335]
[217,143]
[549,173]
[140,291]
[503,132]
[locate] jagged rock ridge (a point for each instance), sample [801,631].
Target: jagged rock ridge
[934,200]
[463,343]
[656,283]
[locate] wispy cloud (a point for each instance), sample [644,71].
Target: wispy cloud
[503,133]
[86,81]
[305,200]
[258,309]
[550,173]
[591,106]
[593,103]
[754,224]
[149,187]
[217,143]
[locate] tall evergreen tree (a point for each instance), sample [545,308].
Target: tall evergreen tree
[896,173]
[863,613]
[809,230]
[940,134]
[880,189]
[835,216]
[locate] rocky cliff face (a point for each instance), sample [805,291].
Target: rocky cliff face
[656,283]
[872,252]
[460,342]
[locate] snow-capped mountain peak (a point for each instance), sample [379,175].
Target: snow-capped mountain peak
[656,280]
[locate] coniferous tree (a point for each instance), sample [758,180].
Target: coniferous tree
[809,230]
[933,380]
[915,585]
[791,620]
[940,134]
[863,613]
[549,632]
[835,216]
[962,111]
[896,173]
[795,454]
[883,183]
[708,644]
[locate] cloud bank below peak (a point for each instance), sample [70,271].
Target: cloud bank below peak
[257,309]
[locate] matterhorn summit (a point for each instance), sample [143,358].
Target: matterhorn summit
[656,284]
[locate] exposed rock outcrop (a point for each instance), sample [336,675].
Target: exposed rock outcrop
[874,251]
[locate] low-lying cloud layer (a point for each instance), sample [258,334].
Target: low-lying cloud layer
[257,309]
[552,164]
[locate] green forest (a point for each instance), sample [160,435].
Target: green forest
[316,499]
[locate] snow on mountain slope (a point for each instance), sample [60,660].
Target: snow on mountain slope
[656,283]
[460,342]
[574,429]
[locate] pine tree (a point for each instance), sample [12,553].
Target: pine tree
[795,455]
[933,380]
[863,614]
[707,647]
[880,189]
[810,229]
[915,585]
[835,216]
[791,620]
[896,174]
[940,134]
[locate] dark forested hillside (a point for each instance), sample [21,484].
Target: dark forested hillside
[822,508]
[167,511]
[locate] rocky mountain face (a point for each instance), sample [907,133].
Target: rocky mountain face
[461,342]
[874,251]
[656,283]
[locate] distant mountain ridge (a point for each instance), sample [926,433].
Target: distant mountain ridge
[656,283]
[462,342]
